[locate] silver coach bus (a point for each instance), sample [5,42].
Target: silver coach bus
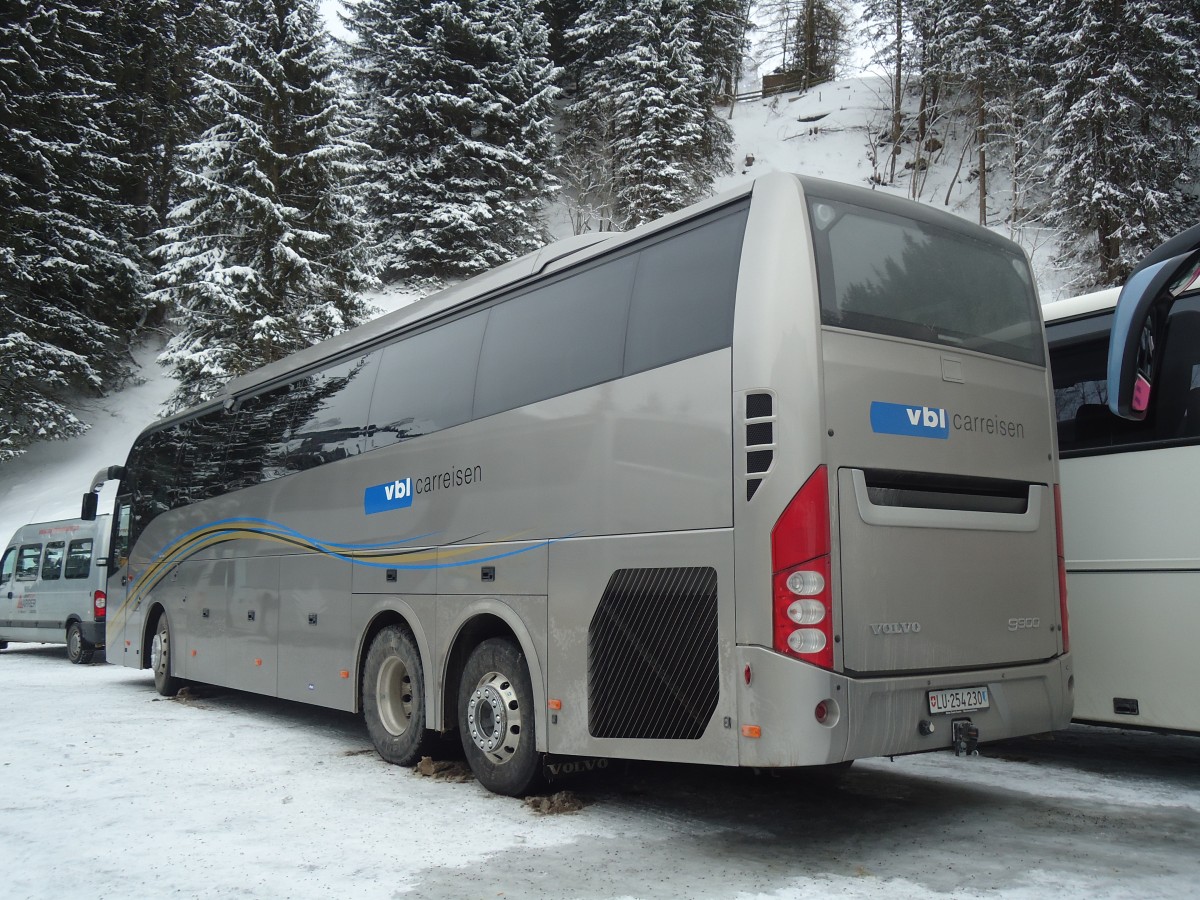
[769,482]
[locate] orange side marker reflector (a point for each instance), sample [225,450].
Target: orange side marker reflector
[751,731]
[127,643]
[193,653]
[555,704]
[258,662]
[344,673]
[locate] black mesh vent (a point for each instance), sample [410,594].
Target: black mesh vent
[758,406]
[653,669]
[760,433]
[759,460]
[751,487]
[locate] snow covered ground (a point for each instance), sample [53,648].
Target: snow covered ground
[110,790]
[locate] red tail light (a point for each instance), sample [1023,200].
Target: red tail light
[99,605]
[1062,570]
[800,563]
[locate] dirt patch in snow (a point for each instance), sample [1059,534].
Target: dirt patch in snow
[444,770]
[555,804]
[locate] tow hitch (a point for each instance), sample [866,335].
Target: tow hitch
[965,737]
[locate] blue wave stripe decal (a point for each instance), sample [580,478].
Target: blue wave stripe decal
[285,530]
[249,528]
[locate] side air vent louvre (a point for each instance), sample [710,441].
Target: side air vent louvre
[760,433]
[760,439]
[759,461]
[653,659]
[759,406]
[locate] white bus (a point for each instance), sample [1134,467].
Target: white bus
[1131,497]
[769,482]
[53,583]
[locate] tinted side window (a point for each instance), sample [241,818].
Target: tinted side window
[330,410]
[122,535]
[6,564]
[27,562]
[52,562]
[1079,366]
[79,559]
[154,462]
[559,338]
[258,446]
[1177,410]
[426,382]
[684,293]
[203,445]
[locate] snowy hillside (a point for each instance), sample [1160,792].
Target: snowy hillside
[827,132]
[824,132]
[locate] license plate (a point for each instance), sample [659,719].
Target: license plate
[958,700]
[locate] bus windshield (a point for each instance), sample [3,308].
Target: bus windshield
[911,279]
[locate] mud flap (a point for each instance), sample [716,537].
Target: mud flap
[556,768]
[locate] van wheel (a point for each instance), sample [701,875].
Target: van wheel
[496,719]
[160,659]
[79,650]
[393,697]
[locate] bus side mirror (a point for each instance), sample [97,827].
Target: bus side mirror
[91,499]
[1170,272]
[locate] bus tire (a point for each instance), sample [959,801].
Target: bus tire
[496,719]
[393,697]
[160,659]
[79,650]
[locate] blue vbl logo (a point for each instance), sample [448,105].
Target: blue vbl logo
[912,421]
[392,495]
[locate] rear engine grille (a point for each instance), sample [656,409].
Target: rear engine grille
[653,667]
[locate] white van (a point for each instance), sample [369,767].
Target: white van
[52,585]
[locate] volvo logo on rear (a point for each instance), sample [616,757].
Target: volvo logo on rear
[895,627]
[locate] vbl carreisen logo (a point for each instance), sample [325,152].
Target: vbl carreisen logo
[913,421]
[396,494]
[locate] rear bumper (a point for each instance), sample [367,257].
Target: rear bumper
[93,633]
[883,716]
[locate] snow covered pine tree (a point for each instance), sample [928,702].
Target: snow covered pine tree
[70,281]
[1124,115]
[641,120]
[459,100]
[264,254]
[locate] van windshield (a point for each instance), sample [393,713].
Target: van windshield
[892,275]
